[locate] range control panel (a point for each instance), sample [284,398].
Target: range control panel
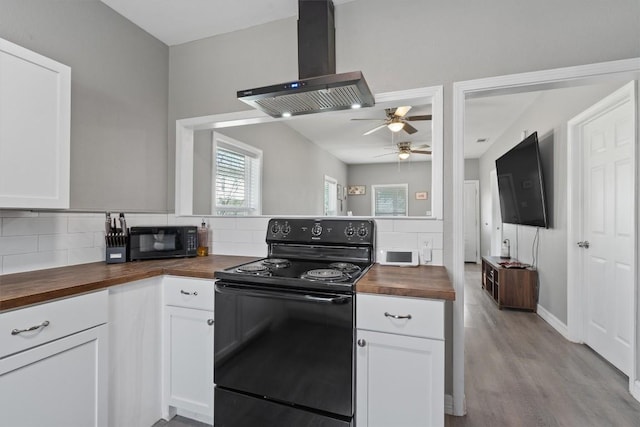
[327,231]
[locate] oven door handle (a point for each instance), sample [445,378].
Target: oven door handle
[252,292]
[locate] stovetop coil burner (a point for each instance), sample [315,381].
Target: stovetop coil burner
[326,274]
[276,262]
[256,269]
[346,267]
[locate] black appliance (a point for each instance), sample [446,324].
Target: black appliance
[521,184]
[319,88]
[162,242]
[285,327]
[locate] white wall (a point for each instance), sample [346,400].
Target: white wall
[548,116]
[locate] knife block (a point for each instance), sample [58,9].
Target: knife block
[116,246]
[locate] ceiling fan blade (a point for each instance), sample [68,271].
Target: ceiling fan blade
[385,154]
[415,118]
[373,130]
[419,147]
[409,129]
[421,151]
[401,111]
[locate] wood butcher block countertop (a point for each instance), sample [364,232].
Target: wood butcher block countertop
[32,287]
[422,281]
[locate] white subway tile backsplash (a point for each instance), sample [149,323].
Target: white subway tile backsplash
[34,225]
[397,240]
[18,245]
[33,261]
[52,242]
[418,226]
[36,240]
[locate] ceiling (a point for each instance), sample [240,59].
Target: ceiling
[175,22]
[180,21]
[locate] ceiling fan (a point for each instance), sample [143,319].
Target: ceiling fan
[404,150]
[397,120]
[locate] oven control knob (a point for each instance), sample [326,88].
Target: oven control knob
[363,231]
[286,229]
[349,231]
[316,230]
[275,228]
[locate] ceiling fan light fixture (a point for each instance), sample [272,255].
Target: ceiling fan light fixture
[356,106]
[404,155]
[395,126]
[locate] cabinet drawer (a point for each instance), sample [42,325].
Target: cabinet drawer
[58,319]
[189,292]
[375,313]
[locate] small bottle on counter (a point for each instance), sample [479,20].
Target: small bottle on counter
[203,239]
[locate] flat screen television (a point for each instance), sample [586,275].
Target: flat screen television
[521,184]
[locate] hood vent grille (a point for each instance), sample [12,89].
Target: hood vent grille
[314,95]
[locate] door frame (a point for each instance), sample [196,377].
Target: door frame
[477,201]
[628,69]
[575,264]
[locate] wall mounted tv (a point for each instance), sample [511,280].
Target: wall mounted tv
[521,184]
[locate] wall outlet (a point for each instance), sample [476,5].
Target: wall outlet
[425,251]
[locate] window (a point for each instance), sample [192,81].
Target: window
[330,196]
[390,200]
[237,186]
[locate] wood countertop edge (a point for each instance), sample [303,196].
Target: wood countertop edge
[379,280]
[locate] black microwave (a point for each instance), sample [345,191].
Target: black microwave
[162,242]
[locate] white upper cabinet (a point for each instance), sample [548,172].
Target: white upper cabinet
[35,110]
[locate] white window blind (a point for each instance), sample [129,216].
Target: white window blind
[237,186]
[330,196]
[390,200]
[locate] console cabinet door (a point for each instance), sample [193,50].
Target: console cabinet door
[35,110]
[62,383]
[189,360]
[399,381]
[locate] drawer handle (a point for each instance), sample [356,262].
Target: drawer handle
[33,328]
[209,322]
[395,316]
[188,293]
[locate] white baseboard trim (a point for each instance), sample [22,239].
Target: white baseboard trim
[554,322]
[448,404]
[635,391]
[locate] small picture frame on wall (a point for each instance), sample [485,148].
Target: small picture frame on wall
[421,195]
[356,190]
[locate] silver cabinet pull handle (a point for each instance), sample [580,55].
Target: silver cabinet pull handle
[362,342]
[395,316]
[188,293]
[33,328]
[209,322]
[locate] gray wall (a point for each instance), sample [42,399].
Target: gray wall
[416,174]
[548,115]
[293,169]
[119,98]
[471,169]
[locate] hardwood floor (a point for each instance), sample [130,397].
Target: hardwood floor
[520,372]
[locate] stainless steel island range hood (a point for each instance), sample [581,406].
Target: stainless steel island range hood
[319,89]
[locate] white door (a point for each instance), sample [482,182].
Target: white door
[608,226]
[471,220]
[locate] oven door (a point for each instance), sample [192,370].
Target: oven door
[285,348]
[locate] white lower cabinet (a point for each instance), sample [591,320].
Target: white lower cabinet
[188,348]
[58,376]
[399,362]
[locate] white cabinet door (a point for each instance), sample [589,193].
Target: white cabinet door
[399,381]
[189,360]
[61,383]
[35,94]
